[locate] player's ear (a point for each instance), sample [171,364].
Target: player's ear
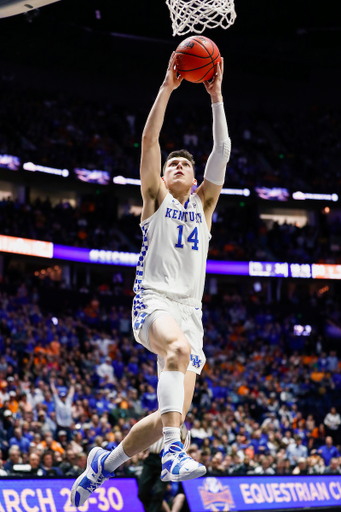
[195,182]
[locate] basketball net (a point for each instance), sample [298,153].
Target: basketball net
[197,15]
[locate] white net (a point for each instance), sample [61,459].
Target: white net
[197,15]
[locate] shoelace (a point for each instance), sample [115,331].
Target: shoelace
[187,442]
[183,454]
[186,445]
[94,485]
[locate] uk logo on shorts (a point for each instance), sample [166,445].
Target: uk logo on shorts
[196,362]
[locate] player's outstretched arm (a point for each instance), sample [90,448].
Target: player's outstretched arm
[152,187]
[214,176]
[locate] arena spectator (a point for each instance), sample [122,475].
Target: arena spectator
[333,468]
[265,467]
[14,458]
[282,468]
[149,399]
[78,468]
[34,461]
[198,433]
[19,440]
[47,465]
[48,422]
[296,451]
[63,405]
[333,361]
[69,461]
[244,468]
[332,423]
[328,451]
[50,444]
[301,468]
[106,371]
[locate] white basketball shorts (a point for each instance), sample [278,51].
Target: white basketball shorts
[149,305]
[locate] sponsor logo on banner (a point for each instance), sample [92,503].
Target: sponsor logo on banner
[216,496]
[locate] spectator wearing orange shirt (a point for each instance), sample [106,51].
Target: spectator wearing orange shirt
[243,390]
[298,421]
[50,444]
[13,404]
[55,347]
[4,395]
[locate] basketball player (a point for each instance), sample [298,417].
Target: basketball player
[169,286]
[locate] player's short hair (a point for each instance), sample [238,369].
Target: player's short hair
[180,153]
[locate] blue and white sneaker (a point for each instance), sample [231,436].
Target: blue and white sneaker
[177,466]
[92,478]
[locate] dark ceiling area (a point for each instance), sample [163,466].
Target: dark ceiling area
[96,41]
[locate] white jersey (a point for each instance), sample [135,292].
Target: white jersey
[174,249]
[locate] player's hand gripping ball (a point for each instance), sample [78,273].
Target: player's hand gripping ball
[197,58]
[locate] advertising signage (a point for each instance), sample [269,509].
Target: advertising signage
[53,495]
[263,493]
[42,249]
[203,494]
[25,246]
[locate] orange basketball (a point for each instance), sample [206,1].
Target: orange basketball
[197,58]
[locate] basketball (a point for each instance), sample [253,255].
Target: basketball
[197,58]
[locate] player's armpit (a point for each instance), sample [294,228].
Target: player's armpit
[209,194]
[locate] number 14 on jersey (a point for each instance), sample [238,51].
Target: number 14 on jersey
[192,239]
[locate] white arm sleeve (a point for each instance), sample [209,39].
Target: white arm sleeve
[216,164]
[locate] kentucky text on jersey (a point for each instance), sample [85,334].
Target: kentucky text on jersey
[183,216]
[174,250]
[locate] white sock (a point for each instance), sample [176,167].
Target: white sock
[115,459]
[171,392]
[171,435]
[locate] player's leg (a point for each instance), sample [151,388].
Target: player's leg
[173,348]
[165,338]
[149,430]
[142,435]
[169,342]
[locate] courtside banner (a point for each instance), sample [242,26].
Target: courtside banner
[53,495]
[262,493]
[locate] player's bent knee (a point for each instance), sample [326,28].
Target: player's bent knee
[179,353]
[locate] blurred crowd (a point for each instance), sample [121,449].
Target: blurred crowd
[299,150]
[267,400]
[295,149]
[84,226]
[237,232]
